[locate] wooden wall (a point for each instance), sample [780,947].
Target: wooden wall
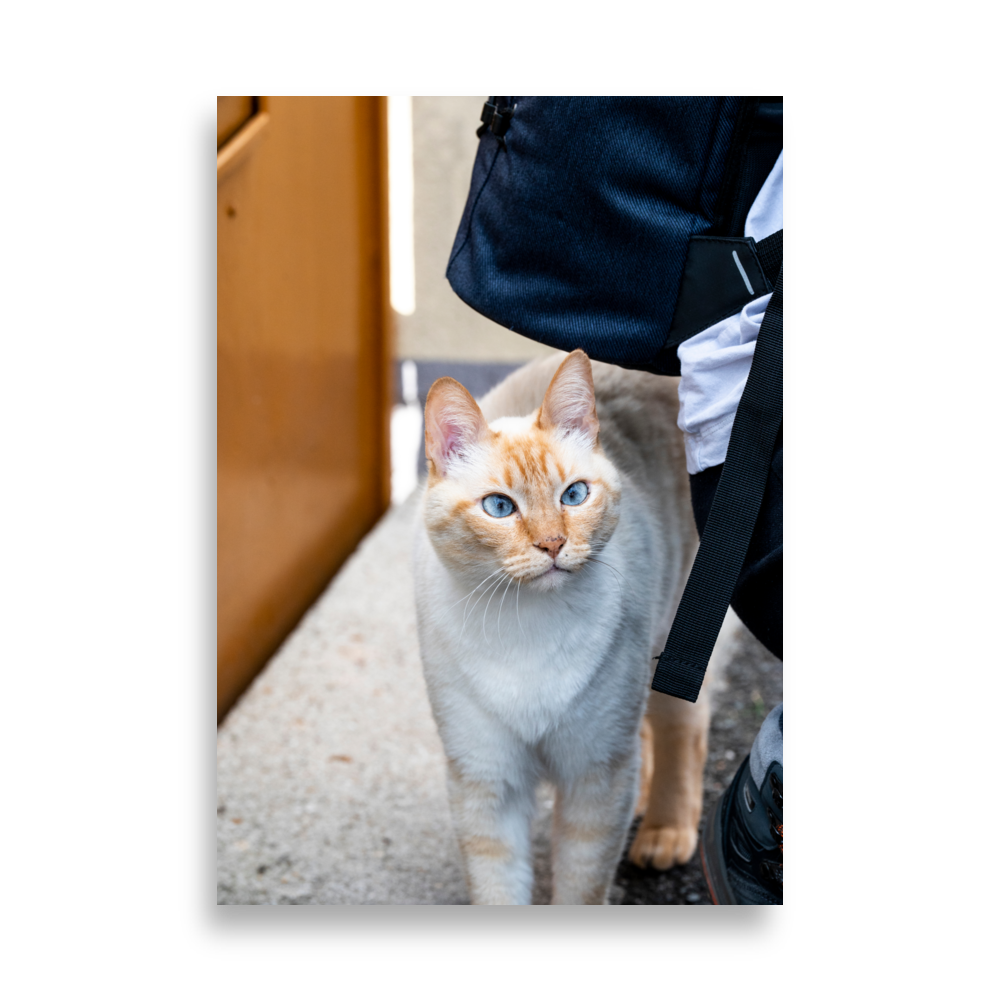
[303,360]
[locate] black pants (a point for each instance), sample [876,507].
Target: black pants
[757,598]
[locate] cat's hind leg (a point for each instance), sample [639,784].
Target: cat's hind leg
[668,834]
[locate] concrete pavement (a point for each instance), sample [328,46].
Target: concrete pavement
[330,772]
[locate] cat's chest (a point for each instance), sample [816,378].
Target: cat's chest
[534,648]
[526,660]
[532,681]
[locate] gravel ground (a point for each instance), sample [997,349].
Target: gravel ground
[330,774]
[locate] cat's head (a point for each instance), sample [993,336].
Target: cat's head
[533,496]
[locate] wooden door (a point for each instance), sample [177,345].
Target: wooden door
[303,360]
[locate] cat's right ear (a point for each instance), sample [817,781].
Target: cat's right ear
[453,424]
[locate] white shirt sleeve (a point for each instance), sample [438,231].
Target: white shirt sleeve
[716,362]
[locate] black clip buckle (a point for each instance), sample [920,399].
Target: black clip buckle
[486,117]
[495,119]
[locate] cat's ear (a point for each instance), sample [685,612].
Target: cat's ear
[453,424]
[569,405]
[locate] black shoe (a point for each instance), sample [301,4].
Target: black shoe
[741,851]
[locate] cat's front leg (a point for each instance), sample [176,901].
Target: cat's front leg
[590,824]
[492,820]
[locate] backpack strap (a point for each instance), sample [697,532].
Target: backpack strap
[721,275]
[769,255]
[726,538]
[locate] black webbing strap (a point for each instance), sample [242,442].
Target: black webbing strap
[769,255]
[724,542]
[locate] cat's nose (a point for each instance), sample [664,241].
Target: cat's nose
[551,545]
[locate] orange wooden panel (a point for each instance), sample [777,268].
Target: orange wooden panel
[230,114]
[303,367]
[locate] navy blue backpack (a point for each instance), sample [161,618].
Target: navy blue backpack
[615,225]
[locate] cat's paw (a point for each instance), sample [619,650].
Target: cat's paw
[663,846]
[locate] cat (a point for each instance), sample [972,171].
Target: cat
[555,537]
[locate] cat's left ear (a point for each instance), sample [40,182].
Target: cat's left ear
[569,404]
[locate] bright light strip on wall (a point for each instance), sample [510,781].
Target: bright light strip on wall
[402,275]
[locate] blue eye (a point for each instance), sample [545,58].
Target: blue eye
[575,494]
[497,505]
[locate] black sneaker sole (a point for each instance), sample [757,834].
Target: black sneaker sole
[713,862]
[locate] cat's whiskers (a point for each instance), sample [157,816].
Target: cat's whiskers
[621,593]
[471,592]
[487,608]
[500,609]
[468,613]
[615,571]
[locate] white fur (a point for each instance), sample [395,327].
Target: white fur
[527,683]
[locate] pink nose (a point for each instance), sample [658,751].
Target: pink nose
[551,545]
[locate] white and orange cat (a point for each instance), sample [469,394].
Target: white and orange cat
[556,535]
